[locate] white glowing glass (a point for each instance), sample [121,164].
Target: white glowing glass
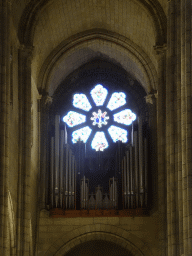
[99,118]
[117,133]
[99,141]
[81,134]
[117,100]
[99,94]
[124,117]
[81,101]
[73,118]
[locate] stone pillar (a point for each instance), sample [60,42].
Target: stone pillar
[4,122]
[161,140]
[151,100]
[23,211]
[171,117]
[186,120]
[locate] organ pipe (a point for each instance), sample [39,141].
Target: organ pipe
[141,189]
[125,180]
[70,170]
[61,189]
[131,175]
[66,175]
[136,168]
[57,120]
[128,179]
[73,181]
[146,171]
[52,171]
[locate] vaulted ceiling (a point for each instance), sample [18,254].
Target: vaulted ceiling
[68,33]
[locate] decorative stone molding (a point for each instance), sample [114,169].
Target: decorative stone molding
[159,49]
[150,98]
[27,51]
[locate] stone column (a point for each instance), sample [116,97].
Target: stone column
[23,211]
[171,132]
[4,124]
[161,140]
[151,100]
[45,104]
[186,120]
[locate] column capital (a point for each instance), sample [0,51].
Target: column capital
[160,49]
[27,51]
[46,100]
[150,98]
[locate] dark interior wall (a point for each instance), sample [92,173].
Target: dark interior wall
[99,248]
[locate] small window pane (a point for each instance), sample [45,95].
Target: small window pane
[81,134]
[99,141]
[81,101]
[125,117]
[117,133]
[117,100]
[72,118]
[99,94]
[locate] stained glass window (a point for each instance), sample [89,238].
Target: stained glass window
[73,118]
[117,100]
[81,101]
[117,133]
[99,118]
[81,134]
[99,94]
[99,141]
[125,117]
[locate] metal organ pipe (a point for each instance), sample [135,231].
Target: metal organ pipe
[70,170]
[52,172]
[73,181]
[66,175]
[146,171]
[128,179]
[57,121]
[61,188]
[125,180]
[141,189]
[136,168]
[131,175]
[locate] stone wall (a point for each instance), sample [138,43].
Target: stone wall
[137,234]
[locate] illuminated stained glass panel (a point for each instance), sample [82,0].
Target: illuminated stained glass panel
[117,100]
[81,134]
[99,141]
[125,117]
[99,94]
[117,133]
[99,118]
[73,118]
[81,101]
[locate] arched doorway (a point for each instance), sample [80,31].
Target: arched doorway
[99,248]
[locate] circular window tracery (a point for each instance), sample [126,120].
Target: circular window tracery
[99,118]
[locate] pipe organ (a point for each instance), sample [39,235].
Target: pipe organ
[135,171]
[62,170]
[69,186]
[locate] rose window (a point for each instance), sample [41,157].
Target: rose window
[105,114]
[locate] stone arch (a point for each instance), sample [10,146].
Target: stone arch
[146,71]
[34,8]
[111,233]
